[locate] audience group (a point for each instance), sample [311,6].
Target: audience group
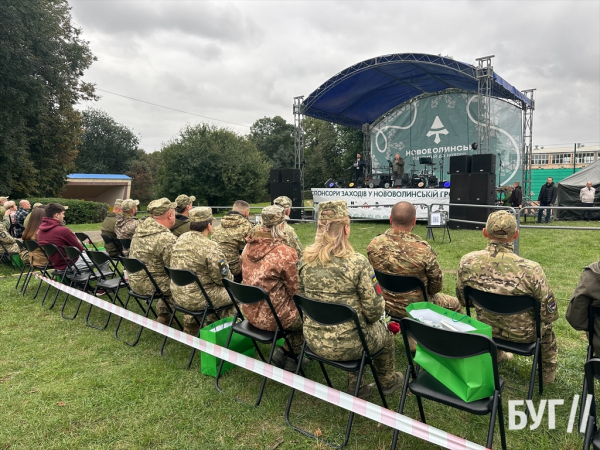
[269,255]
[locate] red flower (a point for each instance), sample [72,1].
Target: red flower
[394,327]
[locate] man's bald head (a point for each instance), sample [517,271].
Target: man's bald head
[403,215]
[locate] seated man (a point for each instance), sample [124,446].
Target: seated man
[231,236]
[196,252]
[108,229]
[586,294]
[182,221]
[26,221]
[7,240]
[20,216]
[291,238]
[126,223]
[400,252]
[152,244]
[500,271]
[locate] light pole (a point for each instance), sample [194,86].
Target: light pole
[575,147]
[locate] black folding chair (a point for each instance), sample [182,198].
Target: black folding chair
[508,305]
[32,246]
[249,295]
[83,237]
[592,435]
[593,314]
[184,278]
[327,314]
[125,243]
[450,344]
[108,240]
[108,285]
[22,248]
[400,284]
[51,250]
[133,265]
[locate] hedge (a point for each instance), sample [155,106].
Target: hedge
[80,211]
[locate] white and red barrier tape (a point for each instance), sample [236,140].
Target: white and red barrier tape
[348,402]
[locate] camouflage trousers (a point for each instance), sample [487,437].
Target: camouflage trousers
[161,308]
[549,349]
[295,337]
[218,296]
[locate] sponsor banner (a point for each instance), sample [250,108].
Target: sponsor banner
[377,203]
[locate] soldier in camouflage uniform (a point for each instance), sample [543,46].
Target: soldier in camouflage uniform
[108,229]
[291,238]
[152,244]
[331,271]
[270,264]
[400,252]
[500,271]
[231,236]
[7,240]
[126,222]
[3,200]
[182,221]
[196,252]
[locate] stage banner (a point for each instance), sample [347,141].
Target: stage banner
[377,203]
[445,125]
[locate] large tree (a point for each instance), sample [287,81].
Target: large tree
[142,170]
[42,60]
[214,164]
[275,138]
[106,145]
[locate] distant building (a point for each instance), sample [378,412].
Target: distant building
[97,187]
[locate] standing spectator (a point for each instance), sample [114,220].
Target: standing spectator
[586,195]
[516,198]
[20,215]
[547,197]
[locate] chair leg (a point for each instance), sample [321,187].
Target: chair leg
[378,384]
[490,438]
[501,423]
[21,274]
[589,432]
[62,310]
[584,390]
[402,403]
[87,317]
[201,324]
[120,318]
[39,285]
[26,281]
[541,378]
[146,314]
[327,380]
[217,387]
[264,380]
[162,347]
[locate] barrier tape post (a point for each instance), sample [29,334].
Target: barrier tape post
[346,401]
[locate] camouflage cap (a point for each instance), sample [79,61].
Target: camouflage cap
[200,214]
[37,205]
[272,215]
[4,198]
[160,206]
[283,201]
[129,204]
[184,200]
[337,209]
[501,225]
[118,201]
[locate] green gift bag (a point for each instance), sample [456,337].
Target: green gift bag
[217,333]
[471,378]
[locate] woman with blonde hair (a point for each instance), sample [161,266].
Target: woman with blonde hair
[331,271]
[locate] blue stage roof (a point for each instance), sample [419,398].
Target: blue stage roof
[365,91]
[106,176]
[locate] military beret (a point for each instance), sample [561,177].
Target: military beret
[129,204]
[337,209]
[184,200]
[160,206]
[501,225]
[200,214]
[272,215]
[283,201]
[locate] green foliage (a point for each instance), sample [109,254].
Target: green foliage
[106,145]
[142,170]
[42,60]
[214,164]
[275,138]
[80,211]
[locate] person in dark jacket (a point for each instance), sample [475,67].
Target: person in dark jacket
[547,197]
[586,294]
[516,198]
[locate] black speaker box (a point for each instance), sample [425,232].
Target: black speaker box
[375,183]
[485,163]
[459,188]
[275,176]
[478,215]
[460,213]
[290,175]
[482,189]
[460,164]
[291,190]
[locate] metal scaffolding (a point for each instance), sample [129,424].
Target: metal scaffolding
[485,78]
[366,130]
[527,151]
[299,140]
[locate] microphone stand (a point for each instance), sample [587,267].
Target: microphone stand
[499,171]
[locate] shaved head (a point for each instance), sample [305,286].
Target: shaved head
[403,215]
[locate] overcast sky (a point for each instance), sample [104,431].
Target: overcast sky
[241,61]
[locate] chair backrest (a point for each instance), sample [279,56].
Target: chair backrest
[399,284]
[126,243]
[248,295]
[504,305]
[592,372]
[50,250]
[108,239]
[73,253]
[21,246]
[31,246]
[99,258]
[184,277]
[449,344]
[84,237]
[326,313]
[134,265]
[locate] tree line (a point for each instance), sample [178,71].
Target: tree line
[43,137]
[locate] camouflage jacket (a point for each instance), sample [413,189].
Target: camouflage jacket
[182,225]
[196,252]
[125,226]
[108,229]
[271,265]
[349,281]
[152,244]
[231,237]
[500,271]
[292,240]
[404,253]
[7,240]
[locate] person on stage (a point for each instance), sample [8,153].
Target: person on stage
[359,170]
[398,167]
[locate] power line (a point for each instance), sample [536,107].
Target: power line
[172,109]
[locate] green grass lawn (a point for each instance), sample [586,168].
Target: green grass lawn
[65,385]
